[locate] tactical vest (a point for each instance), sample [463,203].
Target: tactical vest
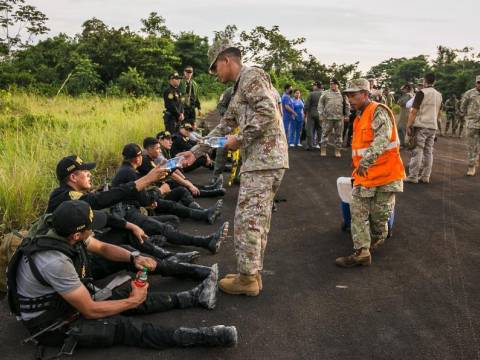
[39,239]
[389,166]
[429,108]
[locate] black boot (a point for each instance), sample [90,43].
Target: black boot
[219,335]
[204,294]
[186,257]
[182,270]
[214,241]
[209,215]
[216,183]
[212,192]
[149,247]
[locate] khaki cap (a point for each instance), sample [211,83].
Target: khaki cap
[357,85]
[218,47]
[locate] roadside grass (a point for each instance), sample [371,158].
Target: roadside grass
[35,132]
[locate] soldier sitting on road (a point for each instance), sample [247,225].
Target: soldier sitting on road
[181,142]
[51,292]
[132,209]
[177,182]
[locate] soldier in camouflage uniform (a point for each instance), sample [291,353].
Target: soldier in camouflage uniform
[375,182]
[470,109]
[333,110]
[451,106]
[459,120]
[264,150]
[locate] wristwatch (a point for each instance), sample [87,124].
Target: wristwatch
[134,255]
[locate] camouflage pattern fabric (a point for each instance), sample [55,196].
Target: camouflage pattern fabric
[329,126]
[224,101]
[8,244]
[470,108]
[369,218]
[253,108]
[473,141]
[333,105]
[252,217]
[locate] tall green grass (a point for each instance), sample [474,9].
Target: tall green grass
[35,132]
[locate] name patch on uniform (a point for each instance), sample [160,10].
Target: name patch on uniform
[75,195]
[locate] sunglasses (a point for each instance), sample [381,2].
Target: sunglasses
[189,71]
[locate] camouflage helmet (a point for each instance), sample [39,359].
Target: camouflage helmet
[218,47]
[357,85]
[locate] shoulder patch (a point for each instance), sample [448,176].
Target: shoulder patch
[170,96]
[75,195]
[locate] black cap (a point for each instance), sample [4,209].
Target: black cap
[174,76]
[164,134]
[317,84]
[334,81]
[188,68]
[76,215]
[131,151]
[149,141]
[186,126]
[71,163]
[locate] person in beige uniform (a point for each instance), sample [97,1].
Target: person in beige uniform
[422,125]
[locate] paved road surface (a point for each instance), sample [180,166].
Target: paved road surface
[419,299]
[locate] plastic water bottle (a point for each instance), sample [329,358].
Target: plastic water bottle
[141,278]
[195,136]
[174,163]
[215,141]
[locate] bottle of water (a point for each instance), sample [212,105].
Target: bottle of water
[215,141]
[174,163]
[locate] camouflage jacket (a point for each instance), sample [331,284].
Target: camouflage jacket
[253,108]
[382,129]
[333,105]
[470,108]
[224,101]
[450,105]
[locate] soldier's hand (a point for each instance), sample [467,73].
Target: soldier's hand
[188,158]
[181,117]
[138,294]
[194,190]
[144,261]
[232,142]
[138,232]
[362,171]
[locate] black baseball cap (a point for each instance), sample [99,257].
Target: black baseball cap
[174,76]
[186,126]
[334,81]
[76,215]
[164,134]
[131,151]
[317,84]
[71,163]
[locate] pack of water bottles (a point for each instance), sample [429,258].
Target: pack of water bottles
[215,141]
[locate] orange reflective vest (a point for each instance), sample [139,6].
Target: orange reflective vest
[389,166]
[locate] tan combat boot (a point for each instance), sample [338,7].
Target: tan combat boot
[471,171]
[240,285]
[359,257]
[323,151]
[259,279]
[338,153]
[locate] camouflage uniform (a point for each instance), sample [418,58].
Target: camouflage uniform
[332,109]
[451,106]
[372,206]
[264,151]
[470,109]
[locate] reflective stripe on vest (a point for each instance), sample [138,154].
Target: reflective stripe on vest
[361,152]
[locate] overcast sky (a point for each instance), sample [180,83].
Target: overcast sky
[341,31]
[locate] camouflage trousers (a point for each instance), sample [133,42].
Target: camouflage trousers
[473,141]
[252,217]
[329,126]
[370,218]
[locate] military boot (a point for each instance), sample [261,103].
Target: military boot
[212,192]
[323,151]
[359,257]
[471,171]
[209,215]
[186,257]
[219,335]
[240,285]
[217,183]
[259,279]
[182,270]
[204,294]
[214,241]
[338,154]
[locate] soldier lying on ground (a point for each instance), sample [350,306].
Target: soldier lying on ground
[131,210]
[53,287]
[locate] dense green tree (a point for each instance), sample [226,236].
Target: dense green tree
[192,50]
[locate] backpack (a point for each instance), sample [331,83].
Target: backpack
[8,244]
